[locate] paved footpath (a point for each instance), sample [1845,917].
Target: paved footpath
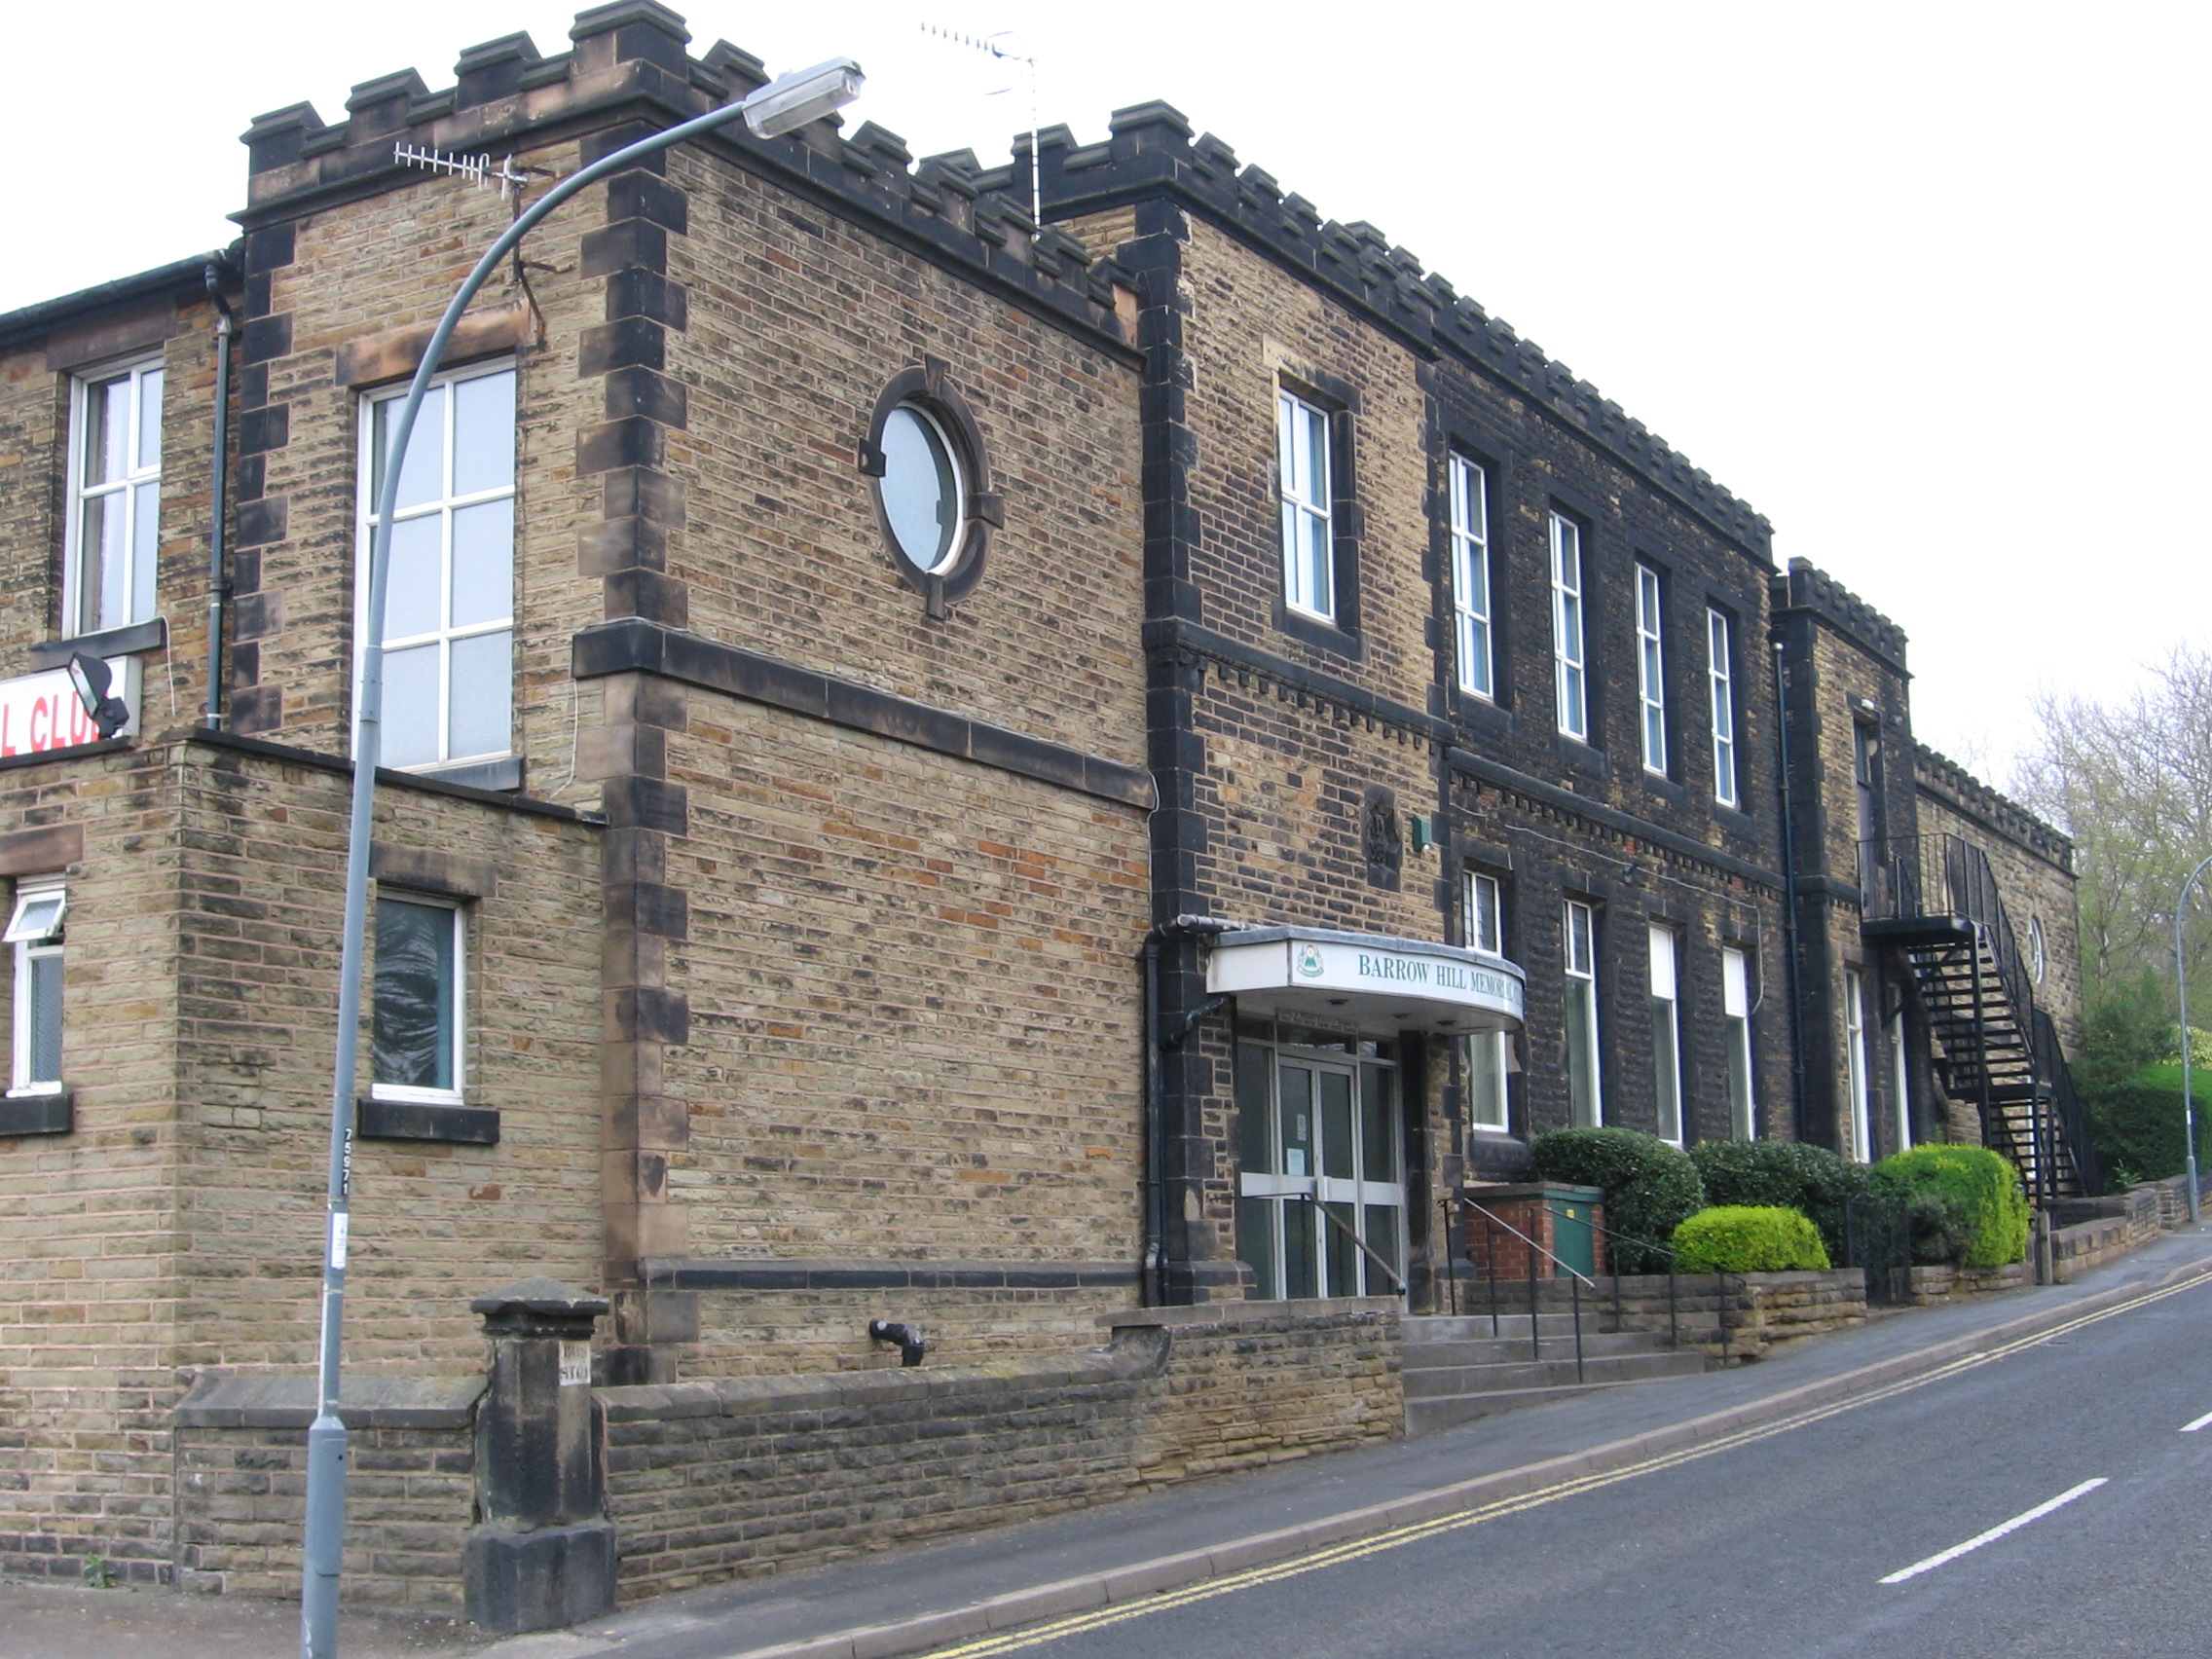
[908,1601]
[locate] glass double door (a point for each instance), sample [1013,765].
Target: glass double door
[1321,1186]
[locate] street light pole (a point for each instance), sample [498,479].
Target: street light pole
[2180,984]
[784,104]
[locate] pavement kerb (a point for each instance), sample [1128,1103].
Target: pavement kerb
[1261,1549]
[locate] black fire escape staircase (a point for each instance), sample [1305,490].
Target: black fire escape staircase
[1933,901]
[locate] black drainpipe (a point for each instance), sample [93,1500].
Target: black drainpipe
[1155,1266]
[218,506]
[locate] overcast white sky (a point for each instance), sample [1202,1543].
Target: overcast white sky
[1924,282]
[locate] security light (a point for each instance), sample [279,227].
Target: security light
[789,101]
[91,678]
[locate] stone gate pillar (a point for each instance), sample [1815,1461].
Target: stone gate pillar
[543,1552]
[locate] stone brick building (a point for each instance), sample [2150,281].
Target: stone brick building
[943,768]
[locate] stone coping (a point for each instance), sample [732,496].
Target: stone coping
[1312,1311]
[219,1401]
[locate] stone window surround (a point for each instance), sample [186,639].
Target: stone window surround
[930,389]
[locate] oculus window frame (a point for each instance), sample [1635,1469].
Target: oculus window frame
[464,508]
[111,540]
[921,424]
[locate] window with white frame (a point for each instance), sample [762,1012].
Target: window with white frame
[34,929]
[1736,1038]
[1568,649]
[417,1021]
[1855,1059]
[1470,577]
[1667,1032]
[1651,668]
[1309,555]
[2039,955]
[1487,1063]
[449,605]
[1585,1102]
[1721,674]
[1901,1077]
[115,499]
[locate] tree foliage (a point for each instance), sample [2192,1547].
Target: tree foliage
[2132,781]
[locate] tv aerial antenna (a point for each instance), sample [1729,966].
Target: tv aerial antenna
[989,45]
[478,168]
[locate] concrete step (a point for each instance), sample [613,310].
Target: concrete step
[1423,1330]
[1504,1378]
[1510,1348]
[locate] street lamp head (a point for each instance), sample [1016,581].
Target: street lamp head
[789,101]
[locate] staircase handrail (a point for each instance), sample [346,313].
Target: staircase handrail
[1969,885]
[1397,1285]
[1532,1245]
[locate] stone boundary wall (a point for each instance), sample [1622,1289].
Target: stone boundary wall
[1761,1310]
[1947,1281]
[743,1476]
[241,1450]
[2104,1230]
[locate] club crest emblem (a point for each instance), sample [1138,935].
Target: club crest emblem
[1309,961]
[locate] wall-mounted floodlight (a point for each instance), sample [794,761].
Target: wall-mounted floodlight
[91,678]
[789,101]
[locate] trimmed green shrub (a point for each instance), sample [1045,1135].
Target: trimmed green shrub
[1650,1187]
[1810,1179]
[1991,1225]
[1749,1238]
[2137,1125]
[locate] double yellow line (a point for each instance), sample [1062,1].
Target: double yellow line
[1079,1624]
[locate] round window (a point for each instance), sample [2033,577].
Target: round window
[935,504]
[924,496]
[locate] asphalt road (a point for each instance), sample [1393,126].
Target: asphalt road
[1778,1543]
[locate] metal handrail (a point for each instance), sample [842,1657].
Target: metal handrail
[1944,874]
[1534,1245]
[1366,1249]
[1574,1280]
[1673,1266]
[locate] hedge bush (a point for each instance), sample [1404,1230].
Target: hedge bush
[1991,1224]
[1749,1238]
[1650,1184]
[2137,1125]
[1810,1179]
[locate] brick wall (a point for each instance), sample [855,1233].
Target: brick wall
[739,1475]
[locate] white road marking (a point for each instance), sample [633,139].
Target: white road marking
[2193,1427]
[1994,1533]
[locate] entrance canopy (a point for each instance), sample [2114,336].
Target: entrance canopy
[1369,982]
